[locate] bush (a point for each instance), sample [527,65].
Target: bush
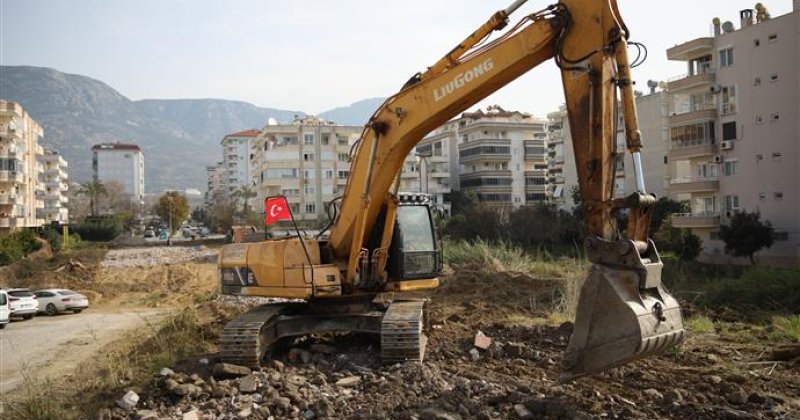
[100,229]
[53,237]
[17,245]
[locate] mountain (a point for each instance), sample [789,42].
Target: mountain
[355,114]
[179,138]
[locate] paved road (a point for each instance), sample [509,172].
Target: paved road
[51,346]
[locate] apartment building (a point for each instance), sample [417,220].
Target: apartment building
[734,131]
[55,184]
[215,185]
[19,168]
[652,111]
[120,162]
[236,159]
[497,155]
[307,160]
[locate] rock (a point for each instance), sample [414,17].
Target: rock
[482,341]
[247,412]
[185,390]
[191,415]
[474,354]
[349,381]
[736,378]
[219,391]
[170,384]
[299,355]
[729,413]
[166,372]
[737,397]
[248,384]
[276,364]
[516,349]
[673,395]
[324,408]
[227,371]
[523,412]
[146,415]
[296,380]
[714,379]
[432,413]
[203,361]
[713,358]
[128,401]
[309,414]
[323,348]
[283,403]
[653,393]
[756,398]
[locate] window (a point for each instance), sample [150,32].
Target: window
[308,139]
[773,38]
[726,57]
[329,174]
[309,190]
[326,139]
[759,119]
[757,81]
[343,174]
[729,131]
[728,100]
[665,160]
[775,116]
[341,140]
[730,167]
[780,236]
[756,42]
[311,208]
[776,156]
[732,202]
[773,77]
[762,196]
[692,134]
[308,156]
[343,157]
[778,195]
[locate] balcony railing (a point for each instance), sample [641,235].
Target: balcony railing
[687,185]
[695,220]
[691,148]
[687,81]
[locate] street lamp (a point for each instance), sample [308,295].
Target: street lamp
[424,159]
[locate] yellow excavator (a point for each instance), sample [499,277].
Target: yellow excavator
[383,250]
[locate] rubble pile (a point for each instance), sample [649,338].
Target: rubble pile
[151,256]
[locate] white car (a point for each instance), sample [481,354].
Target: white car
[5,311]
[53,301]
[22,303]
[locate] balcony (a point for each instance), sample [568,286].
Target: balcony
[8,198]
[702,113]
[11,109]
[479,174]
[5,222]
[11,176]
[695,220]
[9,152]
[691,49]
[693,185]
[687,81]
[682,150]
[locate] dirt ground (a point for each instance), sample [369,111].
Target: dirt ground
[710,376]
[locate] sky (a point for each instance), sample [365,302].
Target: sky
[307,55]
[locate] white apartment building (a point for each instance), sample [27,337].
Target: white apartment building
[308,161]
[735,129]
[19,168]
[653,124]
[236,158]
[498,155]
[120,162]
[55,183]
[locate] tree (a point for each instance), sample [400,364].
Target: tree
[746,234]
[682,242]
[245,192]
[663,209]
[175,205]
[115,198]
[93,189]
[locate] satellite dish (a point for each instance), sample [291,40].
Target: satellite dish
[662,84]
[652,84]
[728,27]
[272,121]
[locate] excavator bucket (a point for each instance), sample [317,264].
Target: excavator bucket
[623,314]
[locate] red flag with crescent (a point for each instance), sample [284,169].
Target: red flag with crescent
[276,209]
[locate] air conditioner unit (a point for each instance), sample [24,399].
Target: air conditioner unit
[714,89]
[727,145]
[718,159]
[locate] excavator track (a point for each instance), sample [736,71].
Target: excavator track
[403,332]
[241,340]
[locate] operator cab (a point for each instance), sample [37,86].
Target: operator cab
[415,252]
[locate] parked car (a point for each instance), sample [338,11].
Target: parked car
[149,233]
[22,303]
[53,301]
[5,311]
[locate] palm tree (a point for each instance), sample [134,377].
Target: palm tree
[93,189]
[245,192]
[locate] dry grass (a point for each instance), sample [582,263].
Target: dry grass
[700,324]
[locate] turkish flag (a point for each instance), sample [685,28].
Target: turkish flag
[276,208]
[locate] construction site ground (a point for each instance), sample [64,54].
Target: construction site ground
[721,371]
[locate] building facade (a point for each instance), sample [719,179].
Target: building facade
[236,159]
[308,161]
[734,131]
[215,185]
[55,183]
[562,175]
[120,162]
[19,168]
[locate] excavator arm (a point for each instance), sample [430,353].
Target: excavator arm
[624,312]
